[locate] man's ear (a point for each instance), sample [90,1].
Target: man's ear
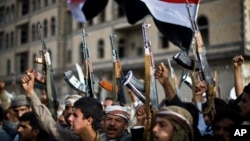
[90,120]
[36,131]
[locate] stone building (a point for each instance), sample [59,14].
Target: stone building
[224,24]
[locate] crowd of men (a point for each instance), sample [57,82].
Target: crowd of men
[27,117]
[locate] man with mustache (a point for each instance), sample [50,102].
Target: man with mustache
[116,122]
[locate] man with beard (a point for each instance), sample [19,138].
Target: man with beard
[29,129]
[116,122]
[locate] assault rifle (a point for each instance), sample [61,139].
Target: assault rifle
[150,85]
[47,67]
[88,71]
[117,74]
[200,54]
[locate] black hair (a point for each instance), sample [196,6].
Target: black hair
[1,113]
[90,107]
[247,89]
[34,123]
[227,114]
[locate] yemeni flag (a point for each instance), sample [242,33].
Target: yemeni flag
[170,16]
[84,10]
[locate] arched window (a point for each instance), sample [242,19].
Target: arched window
[203,27]
[7,40]
[33,30]
[121,48]
[45,28]
[11,39]
[100,48]
[53,26]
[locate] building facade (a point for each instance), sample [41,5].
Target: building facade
[224,24]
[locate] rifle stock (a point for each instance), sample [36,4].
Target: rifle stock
[105,84]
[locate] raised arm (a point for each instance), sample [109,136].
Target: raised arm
[43,113]
[238,60]
[162,74]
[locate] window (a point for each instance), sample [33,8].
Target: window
[12,11]
[164,42]
[102,16]
[34,5]
[46,3]
[7,45]
[45,28]
[11,39]
[8,67]
[22,62]
[1,40]
[23,33]
[33,30]
[203,26]
[69,56]
[120,12]
[80,25]
[53,26]
[100,48]
[7,18]
[90,22]
[121,48]
[69,23]
[38,4]
[34,64]
[25,7]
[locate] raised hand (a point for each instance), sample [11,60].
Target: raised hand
[238,60]
[28,81]
[162,73]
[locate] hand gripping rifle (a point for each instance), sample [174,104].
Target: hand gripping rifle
[47,67]
[200,52]
[117,75]
[149,81]
[88,71]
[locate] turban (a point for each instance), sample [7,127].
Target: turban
[118,111]
[71,99]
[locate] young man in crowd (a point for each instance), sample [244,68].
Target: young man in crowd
[85,118]
[29,128]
